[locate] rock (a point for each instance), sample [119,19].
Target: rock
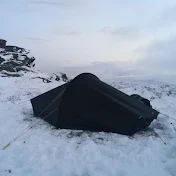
[2,43]
[59,76]
[7,67]
[64,77]
[15,49]
[8,74]
[45,80]
[52,77]
[18,69]
[14,59]
[15,56]
[1,60]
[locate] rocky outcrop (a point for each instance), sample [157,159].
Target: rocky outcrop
[15,61]
[14,58]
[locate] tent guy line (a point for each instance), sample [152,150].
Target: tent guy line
[29,128]
[24,131]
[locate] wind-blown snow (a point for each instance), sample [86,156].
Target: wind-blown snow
[49,152]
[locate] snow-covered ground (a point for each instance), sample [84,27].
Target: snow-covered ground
[49,152]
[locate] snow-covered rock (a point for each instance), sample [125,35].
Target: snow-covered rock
[15,59]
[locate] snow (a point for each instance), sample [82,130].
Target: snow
[9,56]
[6,57]
[49,152]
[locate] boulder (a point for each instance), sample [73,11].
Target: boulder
[1,60]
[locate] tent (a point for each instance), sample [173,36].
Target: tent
[87,103]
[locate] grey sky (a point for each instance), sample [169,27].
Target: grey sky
[162,55]
[78,32]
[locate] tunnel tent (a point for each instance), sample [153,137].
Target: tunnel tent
[87,103]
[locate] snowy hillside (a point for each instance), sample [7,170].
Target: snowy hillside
[46,151]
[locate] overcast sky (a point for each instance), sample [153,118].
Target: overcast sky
[77,32]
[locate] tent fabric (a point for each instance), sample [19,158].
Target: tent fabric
[87,103]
